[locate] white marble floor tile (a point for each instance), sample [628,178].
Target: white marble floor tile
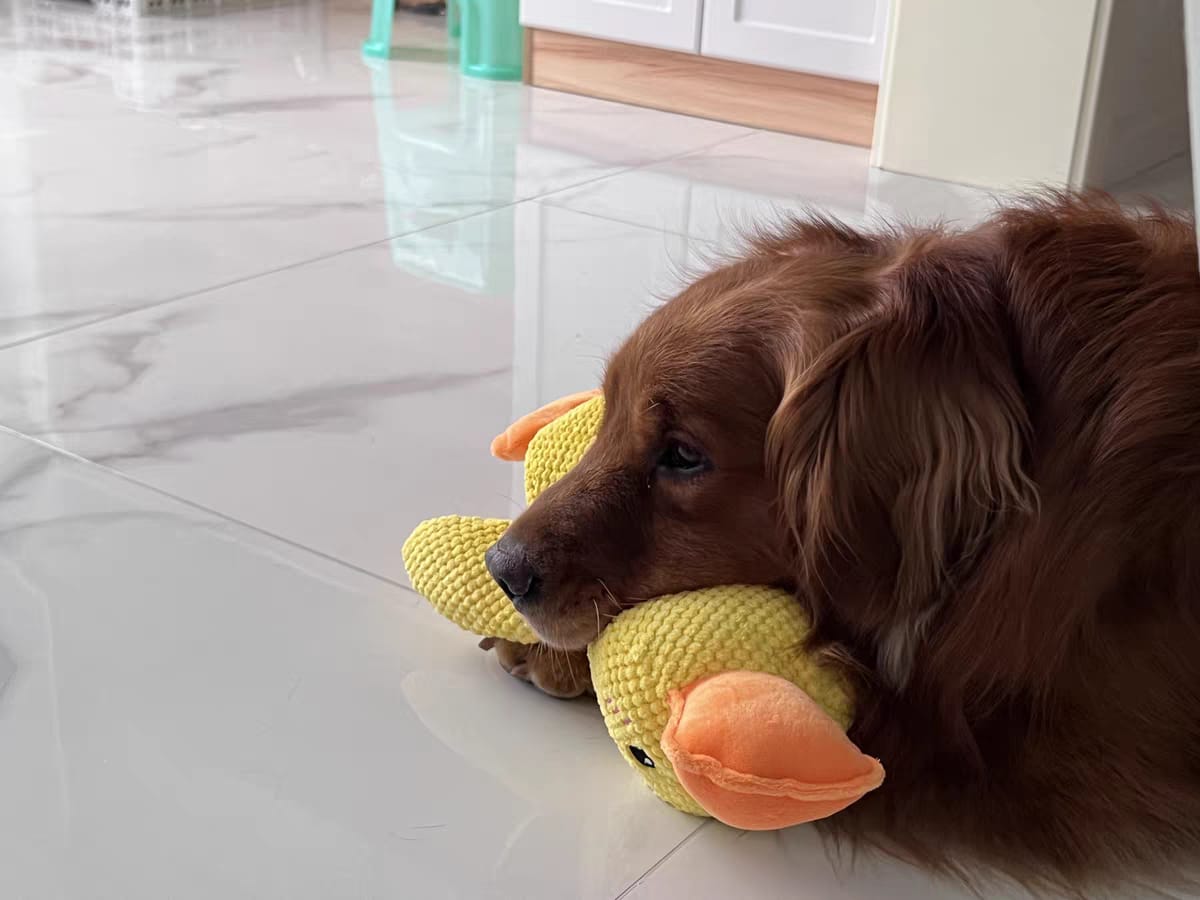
[796,864]
[717,192]
[1169,182]
[720,192]
[148,160]
[338,403]
[194,712]
[173,211]
[290,77]
[88,243]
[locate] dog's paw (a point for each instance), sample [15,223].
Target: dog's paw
[559,673]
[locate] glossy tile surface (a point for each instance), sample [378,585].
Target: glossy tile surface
[717,192]
[339,403]
[194,711]
[797,865]
[275,302]
[133,175]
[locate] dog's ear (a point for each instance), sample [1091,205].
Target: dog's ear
[901,446]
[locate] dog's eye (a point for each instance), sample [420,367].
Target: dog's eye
[641,756]
[682,459]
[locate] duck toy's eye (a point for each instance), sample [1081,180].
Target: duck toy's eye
[641,756]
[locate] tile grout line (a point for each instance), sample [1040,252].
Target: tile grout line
[212,288]
[61,453]
[534,198]
[543,198]
[654,868]
[1162,163]
[605,217]
[703,148]
[93,466]
[129,479]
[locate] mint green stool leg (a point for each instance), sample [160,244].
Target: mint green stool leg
[492,45]
[453,18]
[379,41]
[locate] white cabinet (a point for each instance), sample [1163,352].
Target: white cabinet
[839,38]
[671,24]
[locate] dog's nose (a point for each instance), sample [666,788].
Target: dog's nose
[509,564]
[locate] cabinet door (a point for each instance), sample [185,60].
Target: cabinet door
[672,24]
[839,38]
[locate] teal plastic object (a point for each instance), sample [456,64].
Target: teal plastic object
[378,44]
[492,45]
[379,41]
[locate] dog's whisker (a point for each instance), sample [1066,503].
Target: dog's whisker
[611,596]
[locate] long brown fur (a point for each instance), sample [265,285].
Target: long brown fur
[975,457]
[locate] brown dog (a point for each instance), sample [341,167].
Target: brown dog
[975,457]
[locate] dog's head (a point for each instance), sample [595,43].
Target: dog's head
[831,412]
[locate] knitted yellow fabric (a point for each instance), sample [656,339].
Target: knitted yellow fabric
[444,559]
[646,651]
[556,449]
[655,647]
[444,556]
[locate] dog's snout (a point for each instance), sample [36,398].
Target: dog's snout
[508,562]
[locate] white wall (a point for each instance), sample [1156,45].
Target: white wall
[1140,114]
[986,92]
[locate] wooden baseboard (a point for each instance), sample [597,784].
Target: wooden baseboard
[757,96]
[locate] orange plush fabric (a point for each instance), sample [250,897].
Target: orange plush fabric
[512,444]
[757,753]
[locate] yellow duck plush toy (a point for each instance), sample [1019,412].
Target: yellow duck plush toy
[708,694]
